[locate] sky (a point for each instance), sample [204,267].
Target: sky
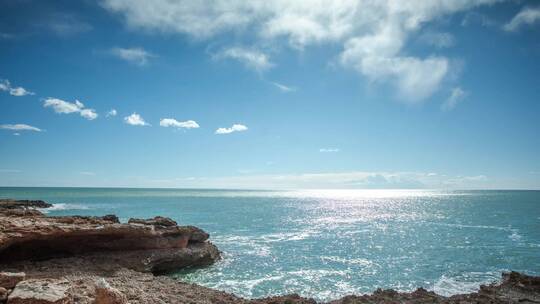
[441,94]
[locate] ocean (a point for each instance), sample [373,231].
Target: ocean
[329,243]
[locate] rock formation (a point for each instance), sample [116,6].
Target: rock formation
[41,291]
[155,245]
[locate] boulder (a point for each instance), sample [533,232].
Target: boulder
[8,280]
[156,221]
[3,295]
[105,294]
[41,291]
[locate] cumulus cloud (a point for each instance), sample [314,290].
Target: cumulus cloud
[135,120]
[527,16]
[456,96]
[112,112]
[20,127]
[5,85]
[234,128]
[137,56]
[171,122]
[328,150]
[372,33]
[64,107]
[89,114]
[252,59]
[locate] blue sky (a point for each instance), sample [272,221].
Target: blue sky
[274,94]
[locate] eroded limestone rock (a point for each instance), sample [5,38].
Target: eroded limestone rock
[105,294]
[41,291]
[156,244]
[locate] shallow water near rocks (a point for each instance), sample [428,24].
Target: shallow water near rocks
[328,243]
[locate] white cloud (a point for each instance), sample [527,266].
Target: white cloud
[20,127]
[234,128]
[284,88]
[89,114]
[135,120]
[112,112]
[137,56]
[329,150]
[252,59]
[373,33]
[527,16]
[457,96]
[171,122]
[5,85]
[64,107]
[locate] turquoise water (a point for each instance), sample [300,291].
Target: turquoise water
[325,244]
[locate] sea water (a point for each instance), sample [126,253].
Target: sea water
[328,243]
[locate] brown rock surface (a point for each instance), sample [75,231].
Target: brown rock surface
[41,291]
[156,221]
[3,294]
[155,245]
[105,294]
[8,280]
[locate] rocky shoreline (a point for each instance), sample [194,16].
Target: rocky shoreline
[81,259]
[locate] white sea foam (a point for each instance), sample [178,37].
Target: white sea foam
[515,236]
[244,287]
[64,206]
[465,283]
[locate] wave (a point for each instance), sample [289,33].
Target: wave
[64,206]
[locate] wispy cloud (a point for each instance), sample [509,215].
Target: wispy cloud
[87,173]
[336,180]
[457,96]
[137,55]
[135,120]
[10,171]
[111,113]
[284,88]
[64,107]
[234,128]
[20,127]
[65,25]
[329,150]
[440,40]
[527,16]
[5,85]
[171,122]
[6,35]
[252,59]
[477,18]
[373,33]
